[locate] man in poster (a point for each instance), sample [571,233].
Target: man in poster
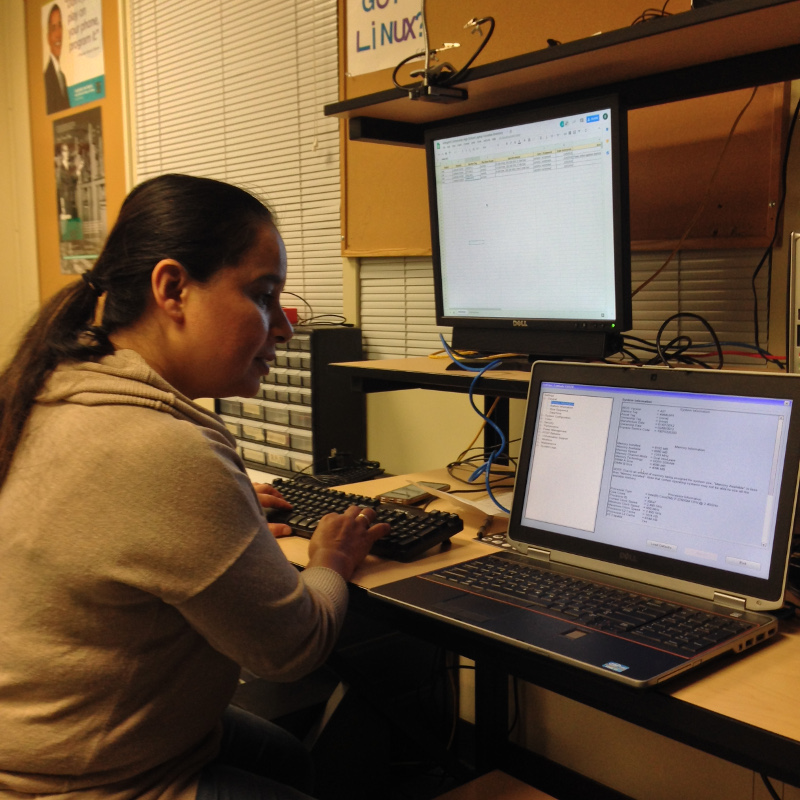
[55,83]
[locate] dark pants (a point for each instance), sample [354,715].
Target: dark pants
[257,761]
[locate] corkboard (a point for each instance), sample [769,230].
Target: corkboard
[674,151]
[45,192]
[673,148]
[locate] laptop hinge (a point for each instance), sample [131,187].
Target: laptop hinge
[730,601]
[535,552]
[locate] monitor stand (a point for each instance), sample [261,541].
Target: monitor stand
[576,345]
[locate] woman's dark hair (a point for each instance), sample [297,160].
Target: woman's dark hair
[205,225]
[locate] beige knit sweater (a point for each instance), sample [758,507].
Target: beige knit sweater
[136,575]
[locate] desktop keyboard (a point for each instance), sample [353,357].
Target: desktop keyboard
[413,532]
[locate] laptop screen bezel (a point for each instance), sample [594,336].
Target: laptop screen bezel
[646,567]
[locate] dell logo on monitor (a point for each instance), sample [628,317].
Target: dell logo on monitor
[520,323]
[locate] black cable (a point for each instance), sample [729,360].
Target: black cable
[444,74]
[497,477]
[304,473]
[316,319]
[708,327]
[410,86]
[628,354]
[679,345]
[652,13]
[636,343]
[479,450]
[496,482]
[336,320]
[678,355]
[476,23]
[301,299]
[770,788]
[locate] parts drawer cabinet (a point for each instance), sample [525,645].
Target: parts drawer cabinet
[305,412]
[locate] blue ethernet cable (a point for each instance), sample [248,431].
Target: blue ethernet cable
[486,468]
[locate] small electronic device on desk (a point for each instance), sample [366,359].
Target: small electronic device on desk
[413,532]
[354,472]
[412,494]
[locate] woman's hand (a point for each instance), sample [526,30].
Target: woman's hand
[341,541]
[270,497]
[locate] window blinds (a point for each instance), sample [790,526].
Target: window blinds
[234,91]
[715,284]
[398,317]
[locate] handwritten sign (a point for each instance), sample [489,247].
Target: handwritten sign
[381,33]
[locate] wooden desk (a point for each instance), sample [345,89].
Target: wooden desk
[387,375]
[740,708]
[377,571]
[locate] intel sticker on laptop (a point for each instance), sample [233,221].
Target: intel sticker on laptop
[615,667]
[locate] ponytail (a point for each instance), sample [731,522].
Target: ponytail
[62,331]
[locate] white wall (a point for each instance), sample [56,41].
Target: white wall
[19,280]
[415,429]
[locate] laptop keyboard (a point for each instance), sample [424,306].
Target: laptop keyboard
[678,629]
[413,532]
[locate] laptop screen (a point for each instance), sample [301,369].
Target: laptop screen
[684,482]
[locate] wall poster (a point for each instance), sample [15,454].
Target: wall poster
[80,189]
[72,48]
[381,33]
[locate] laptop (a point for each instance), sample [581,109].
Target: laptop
[667,495]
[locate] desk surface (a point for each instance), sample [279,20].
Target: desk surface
[383,375]
[377,571]
[386,375]
[743,708]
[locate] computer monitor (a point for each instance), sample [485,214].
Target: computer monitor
[530,233]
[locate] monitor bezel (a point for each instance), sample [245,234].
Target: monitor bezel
[536,336]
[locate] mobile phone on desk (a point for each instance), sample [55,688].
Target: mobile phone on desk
[412,493]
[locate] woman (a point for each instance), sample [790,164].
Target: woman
[138,573]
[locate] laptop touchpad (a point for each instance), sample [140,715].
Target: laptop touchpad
[474,609]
